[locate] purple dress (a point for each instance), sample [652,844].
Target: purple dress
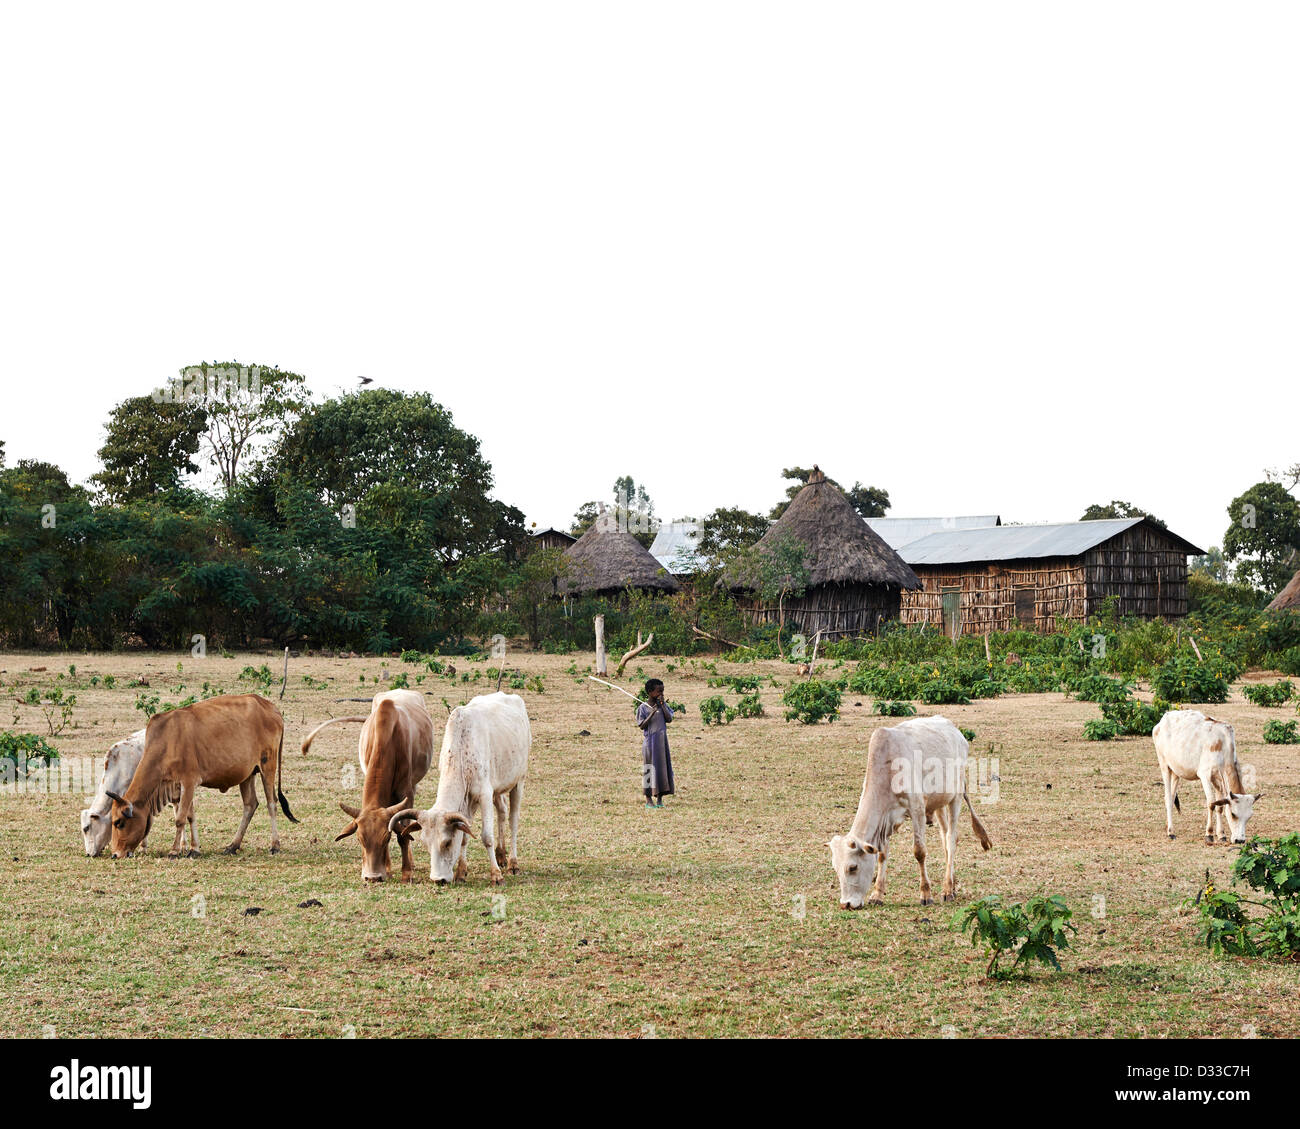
[656,761]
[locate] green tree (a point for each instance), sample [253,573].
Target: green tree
[149,446]
[1211,564]
[869,501]
[727,530]
[632,510]
[1118,509]
[248,407]
[1264,536]
[775,570]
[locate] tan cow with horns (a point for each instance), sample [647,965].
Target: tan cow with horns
[396,751]
[219,743]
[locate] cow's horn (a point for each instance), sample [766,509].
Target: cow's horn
[405,813]
[349,810]
[130,807]
[403,805]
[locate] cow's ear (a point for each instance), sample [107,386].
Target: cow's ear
[350,829]
[1219,803]
[1257,796]
[869,848]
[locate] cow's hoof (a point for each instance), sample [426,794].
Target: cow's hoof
[497,878]
[1223,838]
[407,876]
[192,854]
[1210,839]
[513,867]
[927,901]
[875,900]
[275,850]
[950,897]
[230,850]
[174,855]
[1172,835]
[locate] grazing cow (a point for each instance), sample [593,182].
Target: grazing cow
[217,743]
[483,760]
[916,769]
[1191,746]
[396,752]
[119,767]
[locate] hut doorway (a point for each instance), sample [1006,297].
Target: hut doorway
[1026,598]
[951,601]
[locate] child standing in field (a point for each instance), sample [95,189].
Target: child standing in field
[653,716]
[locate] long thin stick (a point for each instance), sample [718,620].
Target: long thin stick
[618,688]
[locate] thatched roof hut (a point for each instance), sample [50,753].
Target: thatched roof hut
[607,559]
[855,579]
[1289,598]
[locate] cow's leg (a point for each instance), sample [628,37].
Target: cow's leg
[516,799]
[918,850]
[487,806]
[408,863]
[1210,810]
[268,772]
[877,895]
[247,793]
[1171,790]
[460,850]
[184,812]
[948,816]
[500,804]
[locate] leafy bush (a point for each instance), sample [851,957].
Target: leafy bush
[750,706]
[1039,925]
[400,682]
[1183,679]
[1269,693]
[895,709]
[1288,661]
[1134,718]
[1270,867]
[1100,729]
[1281,733]
[20,753]
[808,702]
[1099,688]
[969,734]
[715,711]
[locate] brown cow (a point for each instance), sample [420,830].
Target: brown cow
[218,743]
[395,750]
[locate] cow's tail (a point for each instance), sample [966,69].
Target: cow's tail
[975,823]
[279,782]
[306,741]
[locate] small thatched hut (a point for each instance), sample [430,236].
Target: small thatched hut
[1289,598]
[607,559]
[855,580]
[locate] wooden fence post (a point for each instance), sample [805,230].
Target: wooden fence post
[601,662]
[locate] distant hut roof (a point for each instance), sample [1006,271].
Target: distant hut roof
[554,534]
[1020,542]
[608,558]
[840,547]
[1289,598]
[675,544]
[899,531]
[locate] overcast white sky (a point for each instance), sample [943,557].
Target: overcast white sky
[1008,258]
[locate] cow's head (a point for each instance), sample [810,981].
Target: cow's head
[1239,808]
[370,826]
[95,829]
[130,826]
[438,830]
[854,861]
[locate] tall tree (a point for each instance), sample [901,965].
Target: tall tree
[149,446]
[776,571]
[248,407]
[869,501]
[727,530]
[1264,536]
[632,509]
[1118,509]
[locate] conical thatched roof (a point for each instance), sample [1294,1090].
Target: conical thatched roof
[840,548]
[607,558]
[1289,598]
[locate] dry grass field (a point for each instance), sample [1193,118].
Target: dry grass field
[624,922]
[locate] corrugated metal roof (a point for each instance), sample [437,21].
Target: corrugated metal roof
[899,531]
[1017,542]
[675,540]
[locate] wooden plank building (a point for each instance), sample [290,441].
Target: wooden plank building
[1028,576]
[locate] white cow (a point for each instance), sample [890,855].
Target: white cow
[915,769]
[119,766]
[483,760]
[1191,746]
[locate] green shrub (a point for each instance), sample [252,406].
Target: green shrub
[969,734]
[810,701]
[1269,693]
[1183,679]
[1288,661]
[1271,868]
[895,709]
[1134,718]
[21,753]
[1038,925]
[400,682]
[1281,733]
[715,711]
[750,706]
[1099,688]
[1100,729]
